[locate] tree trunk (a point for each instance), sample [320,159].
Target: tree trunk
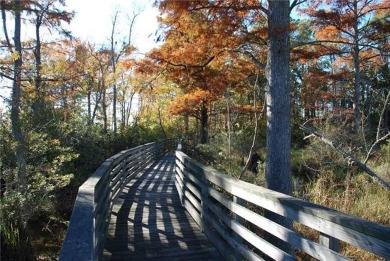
[38,103]
[356,65]
[113,63]
[98,98]
[160,122]
[357,90]
[129,107]
[65,103]
[278,161]
[89,107]
[228,126]
[252,149]
[114,99]
[123,109]
[278,99]
[186,125]
[16,101]
[386,119]
[204,118]
[104,107]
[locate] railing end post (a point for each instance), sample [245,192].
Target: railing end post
[180,145]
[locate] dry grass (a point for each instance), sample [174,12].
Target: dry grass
[350,191]
[323,177]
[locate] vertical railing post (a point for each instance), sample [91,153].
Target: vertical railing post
[155,150]
[180,145]
[330,242]
[179,188]
[203,198]
[240,220]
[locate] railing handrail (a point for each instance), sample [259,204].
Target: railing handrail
[88,224]
[211,198]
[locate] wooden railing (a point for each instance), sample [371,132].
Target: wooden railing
[88,224]
[236,229]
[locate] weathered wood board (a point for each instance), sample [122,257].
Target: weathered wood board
[148,221]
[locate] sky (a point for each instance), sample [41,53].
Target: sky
[93,20]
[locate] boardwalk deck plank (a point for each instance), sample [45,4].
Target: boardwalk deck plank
[149,223]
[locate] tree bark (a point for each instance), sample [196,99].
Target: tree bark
[356,64]
[228,127]
[4,18]
[89,107]
[129,107]
[161,123]
[113,61]
[37,105]
[204,118]
[104,108]
[186,125]
[16,101]
[385,114]
[278,159]
[278,173]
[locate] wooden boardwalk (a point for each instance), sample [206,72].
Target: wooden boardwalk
[149,223]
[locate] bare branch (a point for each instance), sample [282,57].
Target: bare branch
[254,60]
[186,66]
[4,18]
[257,118]
[232,7]
[322,42]
[351,159]
[296,3]
[378,138]
[381,116]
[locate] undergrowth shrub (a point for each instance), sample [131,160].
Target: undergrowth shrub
[330,181]
[24,203]
[320,175]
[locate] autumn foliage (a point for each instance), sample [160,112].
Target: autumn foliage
[72,103]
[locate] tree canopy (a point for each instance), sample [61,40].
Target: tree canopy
[217,67]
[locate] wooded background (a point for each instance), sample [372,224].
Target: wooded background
[305,84]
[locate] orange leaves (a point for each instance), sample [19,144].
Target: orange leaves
[327,33]
[128,64]
[348,29]
[190,102]
[201,49]
[305,55]
[246,109]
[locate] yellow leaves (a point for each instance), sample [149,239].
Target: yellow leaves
[29,91]
[15,56]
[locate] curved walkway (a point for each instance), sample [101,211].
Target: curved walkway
[149,223]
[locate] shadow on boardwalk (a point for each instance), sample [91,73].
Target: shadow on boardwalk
[149,223]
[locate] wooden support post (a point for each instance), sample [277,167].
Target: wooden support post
[240,220]
[203,198]
[330,242]
[180,145]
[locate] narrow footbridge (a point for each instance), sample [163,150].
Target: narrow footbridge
[154,203]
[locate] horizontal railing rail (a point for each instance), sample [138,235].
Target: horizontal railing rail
[235,229]
[91,213]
